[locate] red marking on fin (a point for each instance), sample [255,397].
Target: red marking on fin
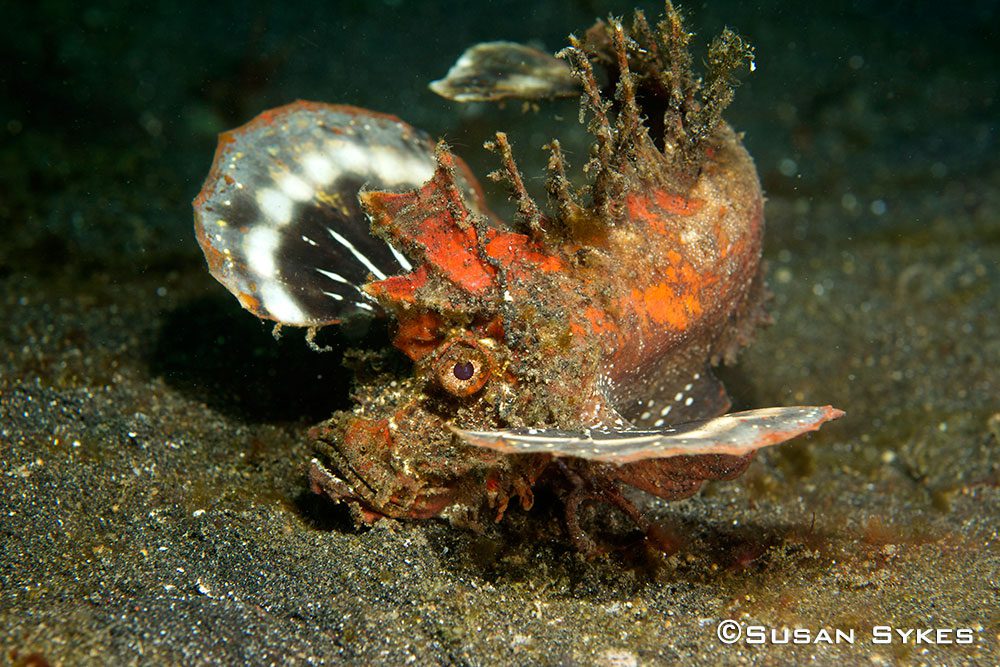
[399,289]
[434,224]
[510,248]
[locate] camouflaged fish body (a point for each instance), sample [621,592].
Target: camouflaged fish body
[584,334]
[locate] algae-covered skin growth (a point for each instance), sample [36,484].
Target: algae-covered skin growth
[155,438]
[574,347]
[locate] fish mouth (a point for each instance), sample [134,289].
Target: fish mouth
[325,482]
[379,492]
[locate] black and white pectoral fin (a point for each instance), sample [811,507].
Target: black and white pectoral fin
[733,434]
[278,217]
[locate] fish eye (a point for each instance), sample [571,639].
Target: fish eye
[463,368]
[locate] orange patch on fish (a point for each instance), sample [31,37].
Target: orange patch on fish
[660,304]
[417,336]
[510,249]
[594,322]
[401,289]
[658,211]
[453,252]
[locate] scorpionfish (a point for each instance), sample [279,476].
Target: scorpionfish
[573,346]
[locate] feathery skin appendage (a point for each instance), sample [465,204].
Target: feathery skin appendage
[675,67]
[579,61]
[603,151]
[628,125]
[727,53]
[557,185]
[656,96]
[648,51]
[528,213]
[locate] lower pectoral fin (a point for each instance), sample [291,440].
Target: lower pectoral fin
[734,434]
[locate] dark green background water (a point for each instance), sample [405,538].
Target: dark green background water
[110,109]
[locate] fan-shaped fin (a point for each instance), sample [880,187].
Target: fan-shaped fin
[495,71]
[279,219]
[734,434]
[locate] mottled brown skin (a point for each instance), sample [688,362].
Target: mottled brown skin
[594,309]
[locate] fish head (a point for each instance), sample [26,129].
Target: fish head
[395,454]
